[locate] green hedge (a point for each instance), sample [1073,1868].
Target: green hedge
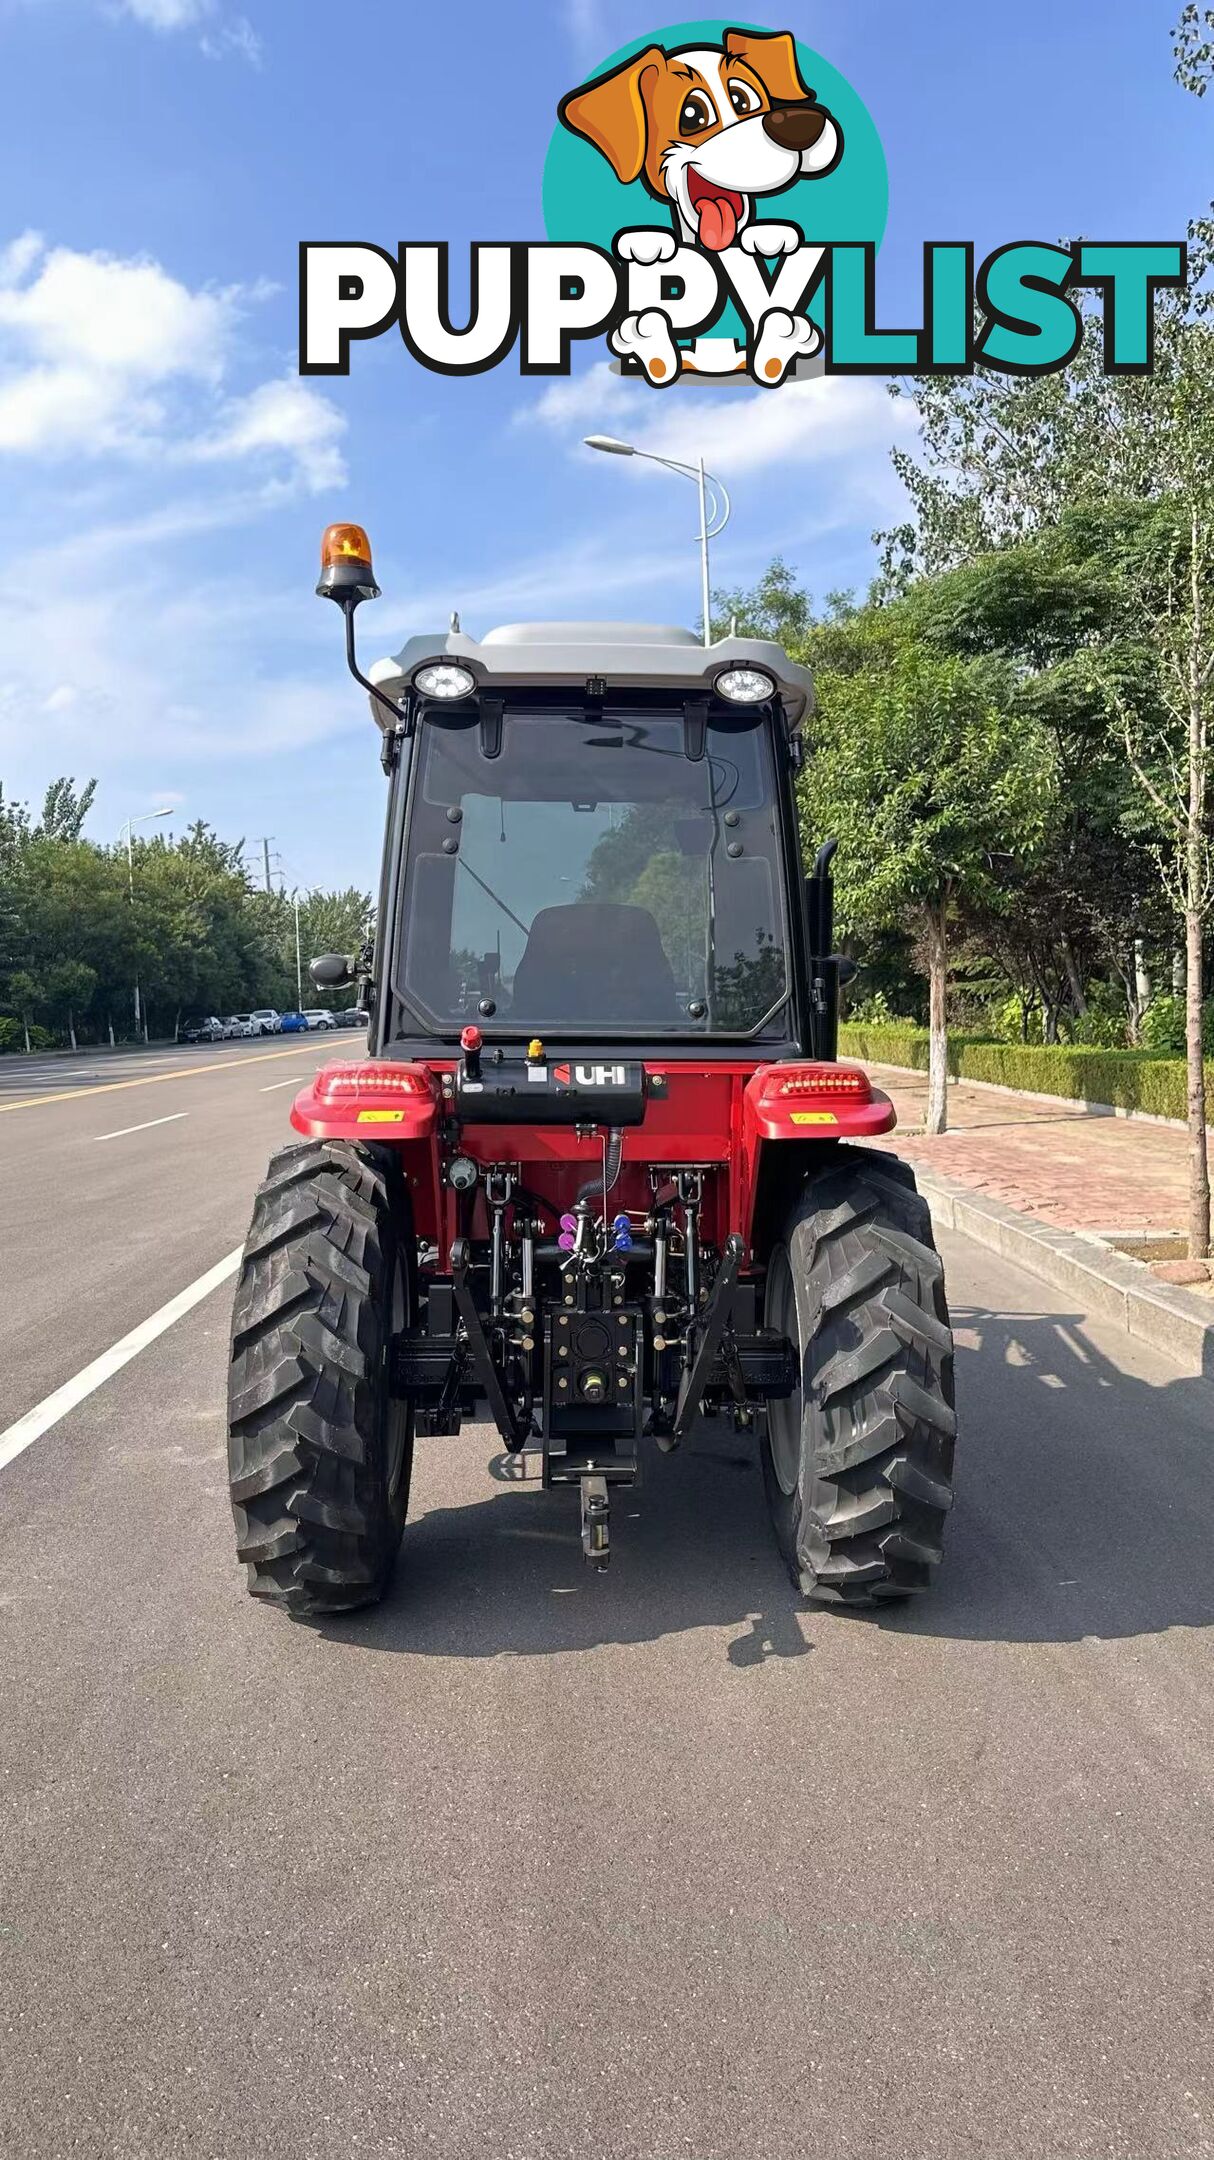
[1130,1079]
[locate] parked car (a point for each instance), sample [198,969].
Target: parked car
[316,1018]
[200,1028]
[240,1026]
[353,1016]
[266,1021]
[293,1023]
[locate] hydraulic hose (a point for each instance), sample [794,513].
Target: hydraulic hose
[605,1179]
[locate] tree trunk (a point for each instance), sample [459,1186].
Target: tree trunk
[937,1057]
[110,1029]
[1142,978]
[1178,971]
[1125,976]
[25,1029]
[71,1028]
[1078,994]
[1199,1151]
[1196,900]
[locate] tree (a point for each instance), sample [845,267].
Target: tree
[1000,458]
[933,796]
[776,607]
[1193,49]
[1054,607]
[65,808]
[338,922]
[73,941]
[1166,724]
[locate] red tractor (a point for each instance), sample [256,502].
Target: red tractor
[600,1175]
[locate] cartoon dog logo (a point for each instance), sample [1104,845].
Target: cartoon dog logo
[707,129]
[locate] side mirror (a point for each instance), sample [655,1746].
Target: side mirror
[332,971]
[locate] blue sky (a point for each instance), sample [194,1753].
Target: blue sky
[165,474]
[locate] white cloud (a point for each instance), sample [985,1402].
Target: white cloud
[824,415]
[167,14]
[108,356]
[288,416]
[584,579]
[19,257]
[584,25]
[219,34]
[235,36]
[196,669]
[104,312]
[216,33]
[838,428]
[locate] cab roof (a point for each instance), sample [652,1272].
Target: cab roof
[623,655]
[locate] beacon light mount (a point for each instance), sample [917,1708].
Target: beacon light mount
[348,577]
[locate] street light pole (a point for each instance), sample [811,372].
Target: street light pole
[712,522]
[298,958]
[128,827]
[704,585]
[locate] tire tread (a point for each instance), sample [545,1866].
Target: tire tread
[307,1403]
[866,1521]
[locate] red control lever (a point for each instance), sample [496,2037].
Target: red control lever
[470,1043]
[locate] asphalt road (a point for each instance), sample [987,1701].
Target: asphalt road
[533,1863]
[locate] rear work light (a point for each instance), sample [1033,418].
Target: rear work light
[744,685]
[822,1080]
[370,1083]
[444,679]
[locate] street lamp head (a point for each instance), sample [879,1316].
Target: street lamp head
[608,442]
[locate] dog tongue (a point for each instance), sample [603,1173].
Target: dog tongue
[718,222]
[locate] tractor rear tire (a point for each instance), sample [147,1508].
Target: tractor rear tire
[319,1453]
[858,1462]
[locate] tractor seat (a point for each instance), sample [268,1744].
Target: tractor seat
[594,961]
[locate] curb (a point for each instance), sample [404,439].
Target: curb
[1173,1320]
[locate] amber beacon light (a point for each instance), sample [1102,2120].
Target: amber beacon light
[345,566]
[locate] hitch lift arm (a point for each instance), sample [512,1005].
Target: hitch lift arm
[481,1355]
[712,1324]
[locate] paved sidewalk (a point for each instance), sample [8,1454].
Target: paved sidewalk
[1071,1167]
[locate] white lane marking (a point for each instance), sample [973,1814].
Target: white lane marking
[16,1438]
[277,1084]
[123,1130]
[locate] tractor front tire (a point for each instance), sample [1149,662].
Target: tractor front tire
[319,1453]
[858,1461]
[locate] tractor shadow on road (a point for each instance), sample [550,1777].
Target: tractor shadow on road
[504,1575]
[1085,1498]
[1085,1495]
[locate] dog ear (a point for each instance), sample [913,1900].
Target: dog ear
[612,114]
[773,56]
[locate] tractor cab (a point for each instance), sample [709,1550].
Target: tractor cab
[596,839]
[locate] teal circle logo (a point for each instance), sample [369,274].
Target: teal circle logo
[584,200]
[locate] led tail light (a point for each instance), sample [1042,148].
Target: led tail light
[823,1080]
[371,1082]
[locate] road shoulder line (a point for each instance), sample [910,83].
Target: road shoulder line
[184,1072]
[16,1438]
